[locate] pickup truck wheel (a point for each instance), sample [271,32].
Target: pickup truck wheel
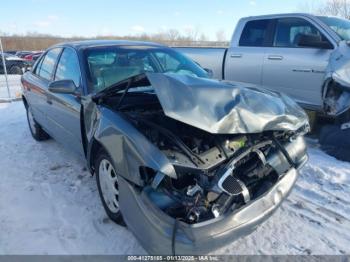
[35,129]
[16,70]
[107,184]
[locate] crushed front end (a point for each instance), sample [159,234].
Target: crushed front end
[234,155]
[225,187]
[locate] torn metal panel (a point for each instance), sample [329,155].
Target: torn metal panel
[225,108]
[336,92]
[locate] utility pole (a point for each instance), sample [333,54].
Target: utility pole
[5,70]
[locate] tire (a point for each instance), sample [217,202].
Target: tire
[16,70]
[107,184]
[35,129]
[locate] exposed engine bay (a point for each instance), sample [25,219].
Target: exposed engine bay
[216,173]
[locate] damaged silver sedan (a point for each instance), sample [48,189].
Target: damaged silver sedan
[189,164]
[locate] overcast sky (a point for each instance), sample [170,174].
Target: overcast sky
[132,17]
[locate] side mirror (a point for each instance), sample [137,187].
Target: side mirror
[314,41]
[63,87]
[209,72]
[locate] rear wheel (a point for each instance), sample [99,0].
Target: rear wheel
[35,129]
[108,187]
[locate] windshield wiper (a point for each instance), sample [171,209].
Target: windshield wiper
[126,84]
[124,93]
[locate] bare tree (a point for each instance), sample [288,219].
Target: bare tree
[172,35]
[38,41]
[336,8]
[192,33]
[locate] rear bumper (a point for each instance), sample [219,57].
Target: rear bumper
[154,229]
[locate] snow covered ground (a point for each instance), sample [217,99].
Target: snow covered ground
[14,82]
[49,204]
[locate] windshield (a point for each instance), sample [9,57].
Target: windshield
[110,65]
[338,25]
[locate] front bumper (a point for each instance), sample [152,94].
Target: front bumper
[153,228]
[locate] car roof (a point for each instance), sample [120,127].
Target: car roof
[280,15]
[95,43]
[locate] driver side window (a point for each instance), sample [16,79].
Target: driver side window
[68,67]
[168,63]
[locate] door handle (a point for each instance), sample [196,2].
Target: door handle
[236,55]
[49,101]
[275,57]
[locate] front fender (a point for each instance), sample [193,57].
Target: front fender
[128,148]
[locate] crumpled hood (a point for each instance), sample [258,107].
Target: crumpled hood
[223,107]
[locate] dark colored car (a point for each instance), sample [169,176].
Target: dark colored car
[14,64]
[189,164]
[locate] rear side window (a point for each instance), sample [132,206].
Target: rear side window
[37,65]
[46,66]
[289,31]
[68,67]
[255,33]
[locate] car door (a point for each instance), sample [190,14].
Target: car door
[64,109]
[36,87]
[293,69]
[245,56]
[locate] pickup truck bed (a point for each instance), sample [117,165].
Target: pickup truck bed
[211,57]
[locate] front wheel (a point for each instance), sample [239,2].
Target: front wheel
[108,187]
[35,129]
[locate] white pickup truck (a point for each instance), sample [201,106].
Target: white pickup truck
[304,56]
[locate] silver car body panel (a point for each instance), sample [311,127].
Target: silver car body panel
[208,57]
